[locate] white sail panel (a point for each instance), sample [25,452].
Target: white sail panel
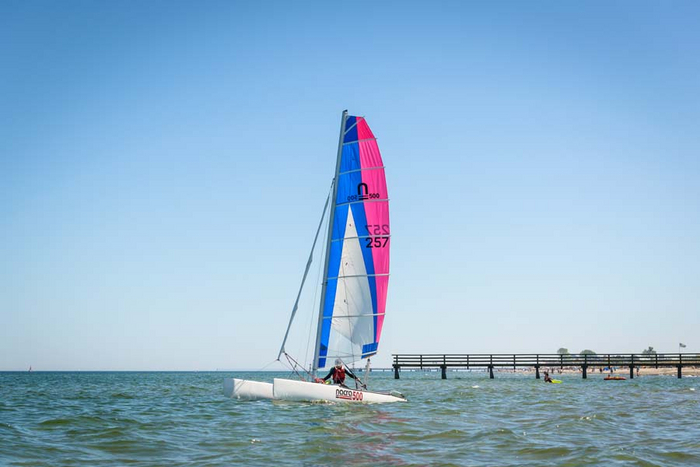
[353,300]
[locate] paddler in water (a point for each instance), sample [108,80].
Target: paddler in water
[547,379]
[338,374]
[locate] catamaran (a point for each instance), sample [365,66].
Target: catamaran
[355,277]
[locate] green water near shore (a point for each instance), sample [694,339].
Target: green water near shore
[183,419]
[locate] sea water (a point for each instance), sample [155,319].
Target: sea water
[184,419]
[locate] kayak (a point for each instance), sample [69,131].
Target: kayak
[614,378]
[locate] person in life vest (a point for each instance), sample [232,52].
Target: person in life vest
[338,374]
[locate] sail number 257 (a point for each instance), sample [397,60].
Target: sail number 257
[377,229]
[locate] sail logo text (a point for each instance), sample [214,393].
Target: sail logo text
[363,193]
[348,394]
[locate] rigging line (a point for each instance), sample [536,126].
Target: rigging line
[292,370]
[306,272]
[262,368]
[294,367]
[349,371]
[313,302]
[267,365]
[287,364]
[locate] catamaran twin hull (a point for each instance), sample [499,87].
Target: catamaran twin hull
[292,390]
[247,390]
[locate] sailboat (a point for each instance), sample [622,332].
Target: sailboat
[355,277]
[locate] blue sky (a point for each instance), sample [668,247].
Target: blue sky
[164,166]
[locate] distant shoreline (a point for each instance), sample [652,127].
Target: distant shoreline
[643,371]
[622,371]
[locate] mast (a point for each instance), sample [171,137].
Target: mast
[331,216]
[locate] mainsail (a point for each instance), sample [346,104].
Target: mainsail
[356,275]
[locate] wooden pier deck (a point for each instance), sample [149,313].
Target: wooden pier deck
[537,361]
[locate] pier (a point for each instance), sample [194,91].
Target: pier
[584,362]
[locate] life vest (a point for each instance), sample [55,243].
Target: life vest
[339,376]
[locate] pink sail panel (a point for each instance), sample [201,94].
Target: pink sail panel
[377,215]
[382,283]
[363,131]
[369,154]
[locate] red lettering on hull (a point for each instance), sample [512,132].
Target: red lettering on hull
[348,394]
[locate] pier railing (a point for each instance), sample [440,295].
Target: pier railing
[537,361]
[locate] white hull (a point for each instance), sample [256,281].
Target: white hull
[247,390]
[291,390]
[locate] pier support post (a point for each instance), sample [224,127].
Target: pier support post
[584,370]
[444,371]
[537,372]
[679,372]
[396,372]
[632,367]
[491,371]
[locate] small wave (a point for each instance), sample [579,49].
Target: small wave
[447,411]
[556,452]
[117,446]
[445,435]
[56,422]
[7,425]
[492,433]
[679,456]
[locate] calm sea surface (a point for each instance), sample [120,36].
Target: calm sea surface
[184,419]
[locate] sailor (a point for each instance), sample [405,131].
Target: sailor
[338,374]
